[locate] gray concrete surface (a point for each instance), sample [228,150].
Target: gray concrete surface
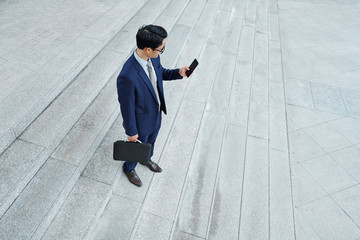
[262,142]
[44,46]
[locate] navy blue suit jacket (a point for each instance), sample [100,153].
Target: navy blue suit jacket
[136,95]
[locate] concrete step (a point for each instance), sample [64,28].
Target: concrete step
[24,99]
[44,192]
[89,129]
[83,207]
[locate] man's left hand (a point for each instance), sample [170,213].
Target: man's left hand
[183,70]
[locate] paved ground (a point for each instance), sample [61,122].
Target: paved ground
[263,142]
[321,63]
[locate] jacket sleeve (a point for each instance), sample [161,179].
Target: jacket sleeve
[170,74]
[126,97]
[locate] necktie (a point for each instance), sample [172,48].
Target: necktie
[153,79]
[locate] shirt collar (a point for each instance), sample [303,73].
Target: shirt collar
[141,61]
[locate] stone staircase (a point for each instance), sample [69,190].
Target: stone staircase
[228,119]
[54,122]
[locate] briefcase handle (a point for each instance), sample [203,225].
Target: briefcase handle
[137,140]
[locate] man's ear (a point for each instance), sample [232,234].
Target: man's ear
[147,50]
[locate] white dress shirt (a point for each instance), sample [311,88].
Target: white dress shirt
[143,63]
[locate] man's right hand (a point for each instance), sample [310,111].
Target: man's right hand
[133,138]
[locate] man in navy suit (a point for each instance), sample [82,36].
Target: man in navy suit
[141,93]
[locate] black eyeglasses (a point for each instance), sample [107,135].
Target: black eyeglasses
[161,51]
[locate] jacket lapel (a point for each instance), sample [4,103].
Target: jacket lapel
[144,77]
[158,75]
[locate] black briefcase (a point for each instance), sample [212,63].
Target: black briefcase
[132,151]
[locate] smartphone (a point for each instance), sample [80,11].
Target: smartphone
[192,67]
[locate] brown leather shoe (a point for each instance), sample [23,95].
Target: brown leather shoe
[133,177]
[153,166]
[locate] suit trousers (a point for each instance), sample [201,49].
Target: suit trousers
[150,138]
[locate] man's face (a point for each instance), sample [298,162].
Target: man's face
[155,53]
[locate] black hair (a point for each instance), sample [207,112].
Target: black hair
[150,36]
